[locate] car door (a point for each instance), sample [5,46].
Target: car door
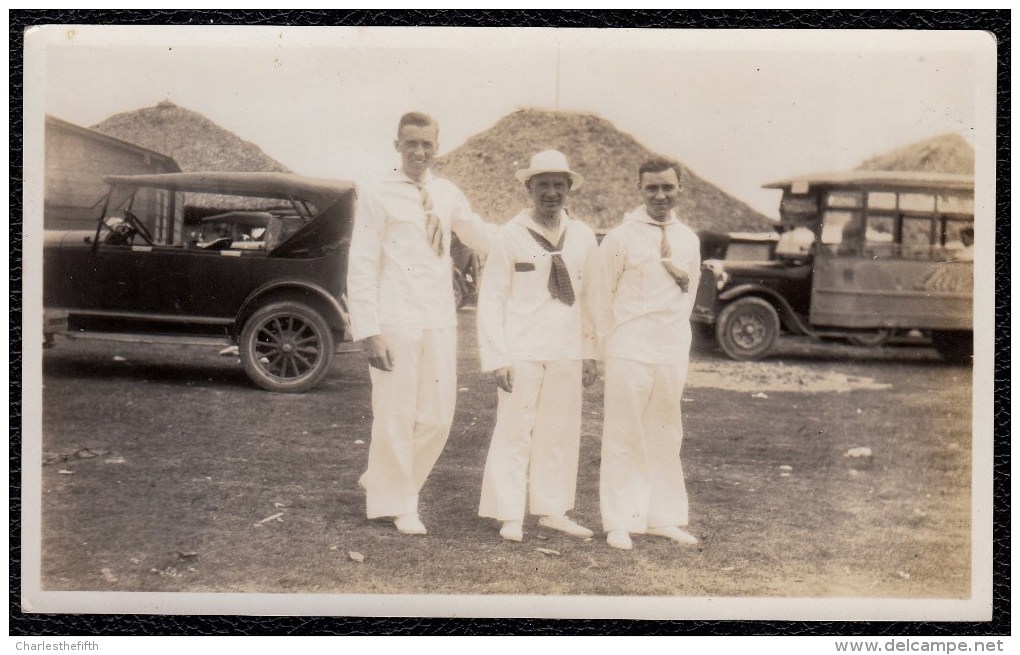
[137,279]
[219,281]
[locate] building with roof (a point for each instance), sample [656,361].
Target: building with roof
[77,160]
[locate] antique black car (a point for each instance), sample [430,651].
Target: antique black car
[254,259]
[863,255]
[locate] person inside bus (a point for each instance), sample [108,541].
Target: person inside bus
[966,254]
[961,248]
[852,239]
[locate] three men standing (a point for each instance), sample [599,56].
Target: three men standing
[532,338]
[551,301]
[640,291]
[400,290]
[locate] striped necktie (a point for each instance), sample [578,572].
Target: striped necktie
[560,287]
[433,228]
[666,255]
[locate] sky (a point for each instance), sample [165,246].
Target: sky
[740,109]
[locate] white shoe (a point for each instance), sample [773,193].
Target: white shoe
[673,533]
[409,524]
[619,539]
[512,530]
[564,524]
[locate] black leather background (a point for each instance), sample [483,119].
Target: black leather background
[997,22]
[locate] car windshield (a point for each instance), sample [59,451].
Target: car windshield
[200,219]
[749,251]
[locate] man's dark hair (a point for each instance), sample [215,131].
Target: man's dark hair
[658,165]
[419,119]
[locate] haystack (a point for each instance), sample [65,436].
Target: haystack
[197,144]
[946,153]
[608,158]
[194,141]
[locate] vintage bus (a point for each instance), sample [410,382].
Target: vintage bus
[863,255]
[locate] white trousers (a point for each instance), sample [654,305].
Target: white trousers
[534,448]
[641,483]
[412,410]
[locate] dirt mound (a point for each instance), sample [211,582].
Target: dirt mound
[946,153]
[608,158]
[194,141]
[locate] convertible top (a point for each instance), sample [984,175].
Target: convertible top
[269,185]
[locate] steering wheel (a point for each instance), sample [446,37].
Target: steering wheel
[137,224]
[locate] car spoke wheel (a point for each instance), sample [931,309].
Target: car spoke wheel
[286,346]
[747,328]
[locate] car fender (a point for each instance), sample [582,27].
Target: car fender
[790,320]
[340,316]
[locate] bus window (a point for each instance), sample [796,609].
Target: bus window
[881,200]
[955,204]
[916,238]
[880,236]
[834,224]
[917,202]
[959,239]
[844,199]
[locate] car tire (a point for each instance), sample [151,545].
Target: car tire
[286,347]
[747,328]
[955,346]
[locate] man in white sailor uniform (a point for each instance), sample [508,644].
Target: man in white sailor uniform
[400,289]
[640,290]
[532,338]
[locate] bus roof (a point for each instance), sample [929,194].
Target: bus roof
[877,180]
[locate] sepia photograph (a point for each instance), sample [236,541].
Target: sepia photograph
[508,322]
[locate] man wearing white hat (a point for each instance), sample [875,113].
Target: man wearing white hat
[400,288]
[532,338]
[641,288]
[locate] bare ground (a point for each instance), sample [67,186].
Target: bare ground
[165,470]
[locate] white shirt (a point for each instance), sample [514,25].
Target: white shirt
[638,310]
[393,275]
[518,319]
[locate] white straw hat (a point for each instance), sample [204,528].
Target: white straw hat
[549,161]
